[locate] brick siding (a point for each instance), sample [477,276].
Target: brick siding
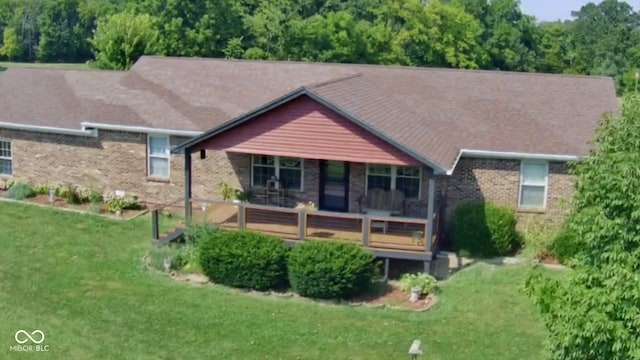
[117,161]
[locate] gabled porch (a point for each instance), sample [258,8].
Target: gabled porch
[365,188]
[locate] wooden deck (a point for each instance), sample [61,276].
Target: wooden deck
[392,237]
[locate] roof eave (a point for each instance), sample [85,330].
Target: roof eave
[139,129]
[48,129]
[510,155]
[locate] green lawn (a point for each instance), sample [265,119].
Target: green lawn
[5,65]
[79,279]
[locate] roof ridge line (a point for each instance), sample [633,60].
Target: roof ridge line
[334,80]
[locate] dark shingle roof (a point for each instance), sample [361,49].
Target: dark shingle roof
[434,112]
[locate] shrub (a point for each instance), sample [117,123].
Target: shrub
[197,232]
[94,196]
[484,229]
[131,203]
[114,203]
[538,238]
[20,191]
[41,189]
[73,196]
[183,257]
[565,245]
[331,270]
[425,282]
[244,259]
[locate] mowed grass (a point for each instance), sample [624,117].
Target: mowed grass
[5,65]
[79,279]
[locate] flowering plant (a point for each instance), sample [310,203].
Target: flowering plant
[306,205]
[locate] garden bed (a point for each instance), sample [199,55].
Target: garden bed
[87,208]
[384,295]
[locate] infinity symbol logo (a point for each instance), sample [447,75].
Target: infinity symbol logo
[29,337]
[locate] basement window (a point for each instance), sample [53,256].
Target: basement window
[534,177]
[158,156]
[6,159]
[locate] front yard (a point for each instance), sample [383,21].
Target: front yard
[79,279]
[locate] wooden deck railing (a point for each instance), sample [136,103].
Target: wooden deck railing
[376,232]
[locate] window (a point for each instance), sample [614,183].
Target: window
[286,169]
[6,162]
[403,178]
[533,184]
[158,156]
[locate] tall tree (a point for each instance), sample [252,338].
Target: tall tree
[120,39]
[61,36]
[605,38]
[595,314]
[509,36]
[11,48]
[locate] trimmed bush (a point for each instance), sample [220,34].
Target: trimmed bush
[485,230]
[331,270]
[565,246]
[244,259]
[20,191]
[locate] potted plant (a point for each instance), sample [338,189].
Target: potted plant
[243,195]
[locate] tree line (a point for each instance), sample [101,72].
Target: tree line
[601,39]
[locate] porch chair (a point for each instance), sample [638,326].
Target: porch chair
[379,200]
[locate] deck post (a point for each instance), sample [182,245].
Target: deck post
[430,205]
[386,269]
[302,224]
[155,224]
[366,227]
[427,267]
[187,184]
[242,221]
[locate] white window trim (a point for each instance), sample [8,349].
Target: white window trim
[276,165]
[394,175]
[166,156]
[546,184]
[10,158]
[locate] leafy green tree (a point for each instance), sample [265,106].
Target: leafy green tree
[61,36]
[196,27]
[432,35]
[272,27]
[509,36]
[338,37]
[595,313]
[606,39]
[120,39]
[11,44]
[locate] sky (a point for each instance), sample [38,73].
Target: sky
[551,10]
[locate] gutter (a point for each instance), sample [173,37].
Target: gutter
[139,129]
[49,129]
[509,155]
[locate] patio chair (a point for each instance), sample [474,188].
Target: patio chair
[396,202]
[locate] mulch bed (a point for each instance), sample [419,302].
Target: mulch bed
[390,296]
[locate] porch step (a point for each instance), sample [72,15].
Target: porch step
[174,235]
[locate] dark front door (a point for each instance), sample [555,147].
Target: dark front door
[334,185]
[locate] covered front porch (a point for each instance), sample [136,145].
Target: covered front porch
[385,236]
[316,174]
